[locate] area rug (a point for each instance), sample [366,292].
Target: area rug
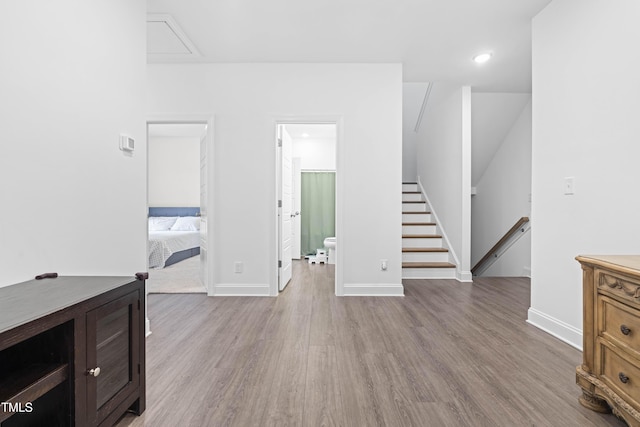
[180,278]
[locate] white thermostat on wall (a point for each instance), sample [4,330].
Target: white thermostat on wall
[127,143]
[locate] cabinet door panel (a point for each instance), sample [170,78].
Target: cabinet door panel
[112,352]
[112,343]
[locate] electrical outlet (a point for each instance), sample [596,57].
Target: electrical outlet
[383,264]
[238,266]
[568,185]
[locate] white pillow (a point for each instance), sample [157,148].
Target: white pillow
[186,223]
[161,223]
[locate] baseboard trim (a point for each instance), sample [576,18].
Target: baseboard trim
[240,290]
[464,276]
[374,289]
[557,328]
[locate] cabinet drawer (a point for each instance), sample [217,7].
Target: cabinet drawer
[620,286]
[619,322]
[619,373]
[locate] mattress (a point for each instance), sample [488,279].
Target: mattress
[163,244]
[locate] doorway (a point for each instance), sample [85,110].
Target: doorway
[177,200]
[306,195]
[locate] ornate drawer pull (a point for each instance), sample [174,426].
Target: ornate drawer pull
[623,378]
[625,329]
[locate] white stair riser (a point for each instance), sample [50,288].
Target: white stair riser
[410,187]
[429,273]
[414,207]
[420,242]
[412,197]
[418,229]
[425,257]
[422,217]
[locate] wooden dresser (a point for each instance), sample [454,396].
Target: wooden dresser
[72,351]
[610,371]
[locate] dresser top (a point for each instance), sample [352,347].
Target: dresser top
[27,301]
[624,263]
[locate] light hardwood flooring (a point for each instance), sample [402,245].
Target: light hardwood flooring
[445,354]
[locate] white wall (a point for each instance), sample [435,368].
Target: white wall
[247,100]
[503,197]
[72,202]
[413,95]
[174,171]
[585,124]
[492,117]
[315,153]
[444,166]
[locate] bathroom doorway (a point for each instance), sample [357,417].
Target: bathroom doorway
[308,205]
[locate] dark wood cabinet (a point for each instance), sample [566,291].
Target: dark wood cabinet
[72,351]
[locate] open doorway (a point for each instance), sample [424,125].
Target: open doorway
[307,186]
[176,200]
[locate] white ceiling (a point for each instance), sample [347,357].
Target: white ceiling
[433,39]
[172,130]
[312,131]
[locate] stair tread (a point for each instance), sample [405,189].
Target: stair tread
[421,236]
[411,192]
[425,250]
[427,265]
[414,201]
[410,183]
[426,212]
[418,223]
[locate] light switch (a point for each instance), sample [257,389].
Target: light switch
[568,185]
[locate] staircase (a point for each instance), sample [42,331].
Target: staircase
[423,254]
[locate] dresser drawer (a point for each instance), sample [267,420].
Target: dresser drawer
[619,373]
[619,322]
[621,286]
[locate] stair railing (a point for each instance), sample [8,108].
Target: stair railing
[493,252]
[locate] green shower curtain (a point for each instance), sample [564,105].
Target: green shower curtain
[317,210]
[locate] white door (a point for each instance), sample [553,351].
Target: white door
[296,226]
[286,192]
[203,209]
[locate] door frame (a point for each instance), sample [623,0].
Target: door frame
[208,119]
[336,120]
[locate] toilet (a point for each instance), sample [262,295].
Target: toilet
[330,244]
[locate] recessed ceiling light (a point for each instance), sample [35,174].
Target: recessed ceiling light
[482,58]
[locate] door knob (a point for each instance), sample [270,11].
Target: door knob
[94,372]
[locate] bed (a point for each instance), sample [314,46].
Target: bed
[174,235]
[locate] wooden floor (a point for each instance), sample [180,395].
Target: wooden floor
[446,354]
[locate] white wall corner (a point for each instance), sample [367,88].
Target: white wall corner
[559,329]
[241,290]
[374,289]
[445,238]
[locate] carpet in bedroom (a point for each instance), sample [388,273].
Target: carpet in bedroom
[180,278]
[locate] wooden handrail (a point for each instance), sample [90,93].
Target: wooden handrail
[522,221]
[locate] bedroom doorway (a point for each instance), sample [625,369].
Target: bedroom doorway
[177,187]
[306,189]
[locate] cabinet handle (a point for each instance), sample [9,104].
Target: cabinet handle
[623,378]
[625,329]
[95,372]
